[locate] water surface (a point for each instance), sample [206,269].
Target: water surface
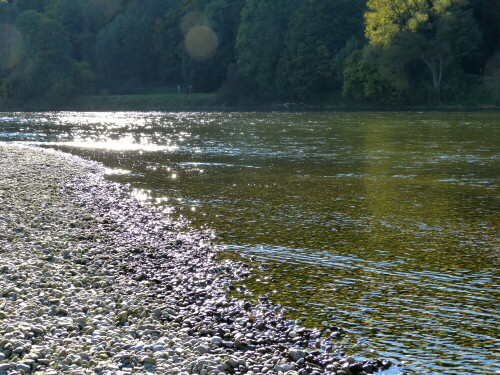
[383,224]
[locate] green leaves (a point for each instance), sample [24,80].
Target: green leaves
[264,50]
[317,32]
[438,32]
[259,42]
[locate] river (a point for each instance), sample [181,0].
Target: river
[383,224]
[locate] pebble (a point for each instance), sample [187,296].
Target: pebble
[296,354]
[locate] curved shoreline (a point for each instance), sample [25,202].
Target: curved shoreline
[93,282]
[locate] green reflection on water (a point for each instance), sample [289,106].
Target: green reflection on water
[385,224]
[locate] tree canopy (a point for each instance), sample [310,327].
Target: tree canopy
[368,51]
[438,32]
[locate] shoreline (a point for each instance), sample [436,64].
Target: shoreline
[152,103]
[95,282]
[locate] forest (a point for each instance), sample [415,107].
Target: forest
[380,53]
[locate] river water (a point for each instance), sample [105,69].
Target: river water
[383,224]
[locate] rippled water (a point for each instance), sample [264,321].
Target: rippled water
[384,224]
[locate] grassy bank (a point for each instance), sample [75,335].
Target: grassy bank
[210,102]
[150,102]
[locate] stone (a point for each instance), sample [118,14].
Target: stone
[216,340]
[202,349]
[39,330]
[350,360]
[5,366]
[227,344]
[355,368]
[23,367]
[147,359]
[369,369]
[296,354]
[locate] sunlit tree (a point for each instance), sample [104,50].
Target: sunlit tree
[437,32]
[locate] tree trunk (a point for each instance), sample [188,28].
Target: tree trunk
[436,68]
[437,83]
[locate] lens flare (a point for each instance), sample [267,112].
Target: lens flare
[201,42]
[9,41]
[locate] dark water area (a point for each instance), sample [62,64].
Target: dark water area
[383,224]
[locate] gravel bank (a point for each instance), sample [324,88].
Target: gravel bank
[93,282]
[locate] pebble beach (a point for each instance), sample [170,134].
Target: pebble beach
[94,282]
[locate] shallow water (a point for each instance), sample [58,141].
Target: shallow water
[384,224]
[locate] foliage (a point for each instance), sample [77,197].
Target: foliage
[307,66]
[251,51]
[438,32]
[361,80]
[259,42]
[216,24]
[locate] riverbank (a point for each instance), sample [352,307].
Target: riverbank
[153,102]
[209,102]
[94,282]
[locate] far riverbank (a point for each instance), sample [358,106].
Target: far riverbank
[210,103]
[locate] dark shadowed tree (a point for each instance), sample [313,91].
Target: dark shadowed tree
[71,13]
[53,65]
[45,67]
[487,16]
[24,5]
[166,42]
[139,47]
[259,42]
[111,61]
[317,32]
[8,12]
[209,29]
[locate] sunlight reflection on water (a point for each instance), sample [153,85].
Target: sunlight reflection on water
[385,224]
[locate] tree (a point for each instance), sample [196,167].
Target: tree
[71,14]
[166,43]
[259,43]
[52,68]
[317,32]
[44,64]
[224,18]
[487,16]
[24,5]
[140,47]
[437,32]
[7,12]
[363,82]
[111,61]
[28,24]
[53,42]
[9,37]
[209,33]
